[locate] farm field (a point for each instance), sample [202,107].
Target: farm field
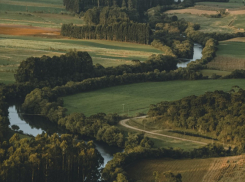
[210,72]
[192,170]
[52,6]
[38,19]
[232,5]
[14,49]
[138,97]
[230,55]
[39,13]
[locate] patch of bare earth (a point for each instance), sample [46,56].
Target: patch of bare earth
[237,39]
[237,12]
[7,29]
[191,11]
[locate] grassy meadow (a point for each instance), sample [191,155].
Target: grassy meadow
[223,169]
[138,97]
[14,49]
[52,6]
[38,19]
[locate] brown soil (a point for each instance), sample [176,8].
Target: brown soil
[7,29]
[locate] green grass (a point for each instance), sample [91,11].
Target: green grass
[209,72]
[14,49]
[38,19]
[12,7]
[239,21]
[138,97]
[7,77]
[231,49]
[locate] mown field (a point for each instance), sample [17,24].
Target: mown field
[230,55]
[138,97]
[14,49]
[224,169]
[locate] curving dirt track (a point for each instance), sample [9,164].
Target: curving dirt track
[124,123]
[9,29]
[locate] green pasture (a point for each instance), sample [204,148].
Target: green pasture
[231,49]
[44,6]
[137,98]
[239,21]
[38,19]
[210,72]
[14,49]
[12,7]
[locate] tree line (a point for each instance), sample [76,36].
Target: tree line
[122,31]
[140,5]
[221,115]
[110,15]
[71,66]
[49,158]
[77,66]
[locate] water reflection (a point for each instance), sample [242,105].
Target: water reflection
[197,54]
[34,125]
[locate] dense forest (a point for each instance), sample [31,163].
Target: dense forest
[219,113]
[49,158]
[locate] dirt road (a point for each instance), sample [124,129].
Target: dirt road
[124,123]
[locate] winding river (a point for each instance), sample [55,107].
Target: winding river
[197,54]
[35,125]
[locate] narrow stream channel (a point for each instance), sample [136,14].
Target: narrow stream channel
[197,54]
[35,125]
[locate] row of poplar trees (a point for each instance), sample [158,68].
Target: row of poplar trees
[125,31]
